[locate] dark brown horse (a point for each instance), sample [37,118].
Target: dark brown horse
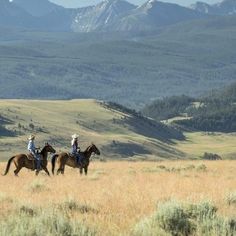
[64,158]
[23,160]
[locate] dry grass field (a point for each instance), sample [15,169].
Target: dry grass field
[114,198]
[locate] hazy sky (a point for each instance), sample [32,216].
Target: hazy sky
[81,3]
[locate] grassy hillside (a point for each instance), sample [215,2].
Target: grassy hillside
[187,58]
[119,134]
[197,143]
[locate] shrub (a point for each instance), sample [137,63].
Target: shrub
[211,156]
[72,205]
[201,167]
[47,222]
[203,210]
[231,198]
[148,227]
[172,217]
[177,219]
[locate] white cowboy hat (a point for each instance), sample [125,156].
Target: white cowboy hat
[31,137]
[74,136]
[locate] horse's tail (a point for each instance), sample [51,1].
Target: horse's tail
[8,165]
[53,161]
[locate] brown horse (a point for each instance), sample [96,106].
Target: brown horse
[64,158]
[22,160]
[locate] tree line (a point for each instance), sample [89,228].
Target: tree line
[214,112]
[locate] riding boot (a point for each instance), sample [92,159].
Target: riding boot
[38,165]
[78,161]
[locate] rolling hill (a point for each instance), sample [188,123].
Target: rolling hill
[117,132]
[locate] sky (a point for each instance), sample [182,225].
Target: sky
[82,3]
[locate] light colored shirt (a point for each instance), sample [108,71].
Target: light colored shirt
[31,146]
[74,146]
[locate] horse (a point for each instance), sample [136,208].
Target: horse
[64,158]
[23,160]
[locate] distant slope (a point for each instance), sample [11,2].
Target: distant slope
[216,111]
[117,133]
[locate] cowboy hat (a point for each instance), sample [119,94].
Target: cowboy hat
[74,136]
[31,137]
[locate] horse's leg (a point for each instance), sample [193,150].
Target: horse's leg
[46,170]
[86,170]
[17,170]
[60,170]
[81,170]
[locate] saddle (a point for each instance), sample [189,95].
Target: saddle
[75,157]
[72,155]
[31,157]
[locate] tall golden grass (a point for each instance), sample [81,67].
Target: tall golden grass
[117,195]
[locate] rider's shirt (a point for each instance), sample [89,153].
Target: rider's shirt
[31,146]
[74,146]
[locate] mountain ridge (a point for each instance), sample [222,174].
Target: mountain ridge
[107,16]
[226,7]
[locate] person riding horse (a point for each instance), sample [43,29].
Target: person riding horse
[32,150]
[75,149]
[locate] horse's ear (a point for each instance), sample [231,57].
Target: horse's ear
[46,144]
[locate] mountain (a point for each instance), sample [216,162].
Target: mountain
[202,7]
[226,7]
[37,8]
[100,16]
[107,16]
[132,69]
[38,15]
[47,16]
[11,15]
[119,15]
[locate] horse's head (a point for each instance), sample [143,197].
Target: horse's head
[94,149]
[49,148]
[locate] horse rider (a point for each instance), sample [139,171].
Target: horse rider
[32,149]
[75,149]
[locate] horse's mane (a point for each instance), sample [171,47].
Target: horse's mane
[87,149]
[43,149]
